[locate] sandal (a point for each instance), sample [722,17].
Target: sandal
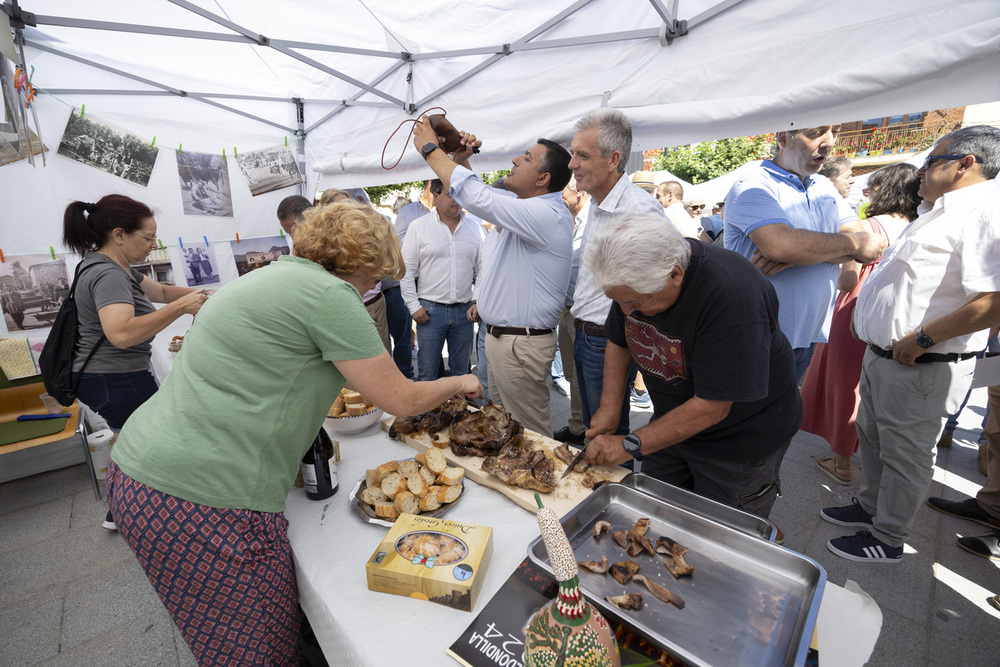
[840,474]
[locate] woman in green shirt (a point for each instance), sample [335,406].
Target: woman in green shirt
[201,471]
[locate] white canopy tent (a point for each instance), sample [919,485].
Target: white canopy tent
[336,79]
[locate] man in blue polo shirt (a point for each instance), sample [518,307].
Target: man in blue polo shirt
[795,226]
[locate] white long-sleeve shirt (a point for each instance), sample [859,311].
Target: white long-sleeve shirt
[440,266]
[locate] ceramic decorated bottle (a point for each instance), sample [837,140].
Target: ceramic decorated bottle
[568,630]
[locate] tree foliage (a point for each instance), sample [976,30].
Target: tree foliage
[702,162]
[386,194]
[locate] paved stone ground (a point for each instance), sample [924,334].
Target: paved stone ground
[73,594]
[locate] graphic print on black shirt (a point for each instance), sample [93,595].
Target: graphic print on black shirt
[654,352]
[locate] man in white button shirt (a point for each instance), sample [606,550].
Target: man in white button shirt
[600,149]
[924,312]
[441,253]
[524,282]
[670,194]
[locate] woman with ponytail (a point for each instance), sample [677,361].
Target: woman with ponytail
[115,302]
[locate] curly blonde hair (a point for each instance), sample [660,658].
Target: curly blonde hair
[347,238]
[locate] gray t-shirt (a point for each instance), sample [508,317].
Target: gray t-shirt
[98,287]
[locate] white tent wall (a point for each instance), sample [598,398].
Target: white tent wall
[757,66]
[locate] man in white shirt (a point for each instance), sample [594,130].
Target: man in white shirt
[601,147]
[524,282]
[670,194]
[441,253]
[924,313]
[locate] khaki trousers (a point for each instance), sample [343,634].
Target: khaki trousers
[989,495]
[566,335]
[519,368]
[377,311]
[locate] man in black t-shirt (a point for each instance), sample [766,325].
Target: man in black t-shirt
[701,323]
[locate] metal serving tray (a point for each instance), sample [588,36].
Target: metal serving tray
[727,516]
[749,601]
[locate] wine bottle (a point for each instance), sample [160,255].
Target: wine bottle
[319,468]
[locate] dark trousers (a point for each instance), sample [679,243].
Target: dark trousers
[400,330]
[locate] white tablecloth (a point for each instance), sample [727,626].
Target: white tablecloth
[359,627]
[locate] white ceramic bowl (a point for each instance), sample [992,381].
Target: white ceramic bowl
[355,423]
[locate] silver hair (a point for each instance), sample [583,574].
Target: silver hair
[614,132]
[983,141]
[638,252]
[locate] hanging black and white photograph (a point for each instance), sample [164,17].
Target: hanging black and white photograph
[200,265]
[269,169]
[256,253]
[204,181]
[32,287]
[107,147]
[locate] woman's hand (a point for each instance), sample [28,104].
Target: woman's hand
[192,302]
[470,386]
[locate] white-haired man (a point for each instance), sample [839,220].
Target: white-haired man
[798,229]
[924,312]
[701,323]
[600,150]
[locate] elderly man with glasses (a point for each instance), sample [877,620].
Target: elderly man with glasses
[924,313]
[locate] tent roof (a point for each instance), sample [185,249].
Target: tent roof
[205,73]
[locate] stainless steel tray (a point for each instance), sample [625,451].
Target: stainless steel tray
[749,601]
[727,516]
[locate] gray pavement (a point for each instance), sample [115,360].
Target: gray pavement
[73,594]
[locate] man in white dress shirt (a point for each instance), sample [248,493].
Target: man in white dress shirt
[524,283]
[441,253]
[670,194]
[924,313]
[601,147]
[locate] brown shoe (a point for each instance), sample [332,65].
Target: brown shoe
[840,474]
[995,601]
[779,537]
[945,440]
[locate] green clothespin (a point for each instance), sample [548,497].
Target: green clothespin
[53,251]
[234,152]
[82,107]
[286,141]
[153,142]
[160,241]
[179,147]
[282,232]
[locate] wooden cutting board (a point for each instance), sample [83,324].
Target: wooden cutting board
[567,494]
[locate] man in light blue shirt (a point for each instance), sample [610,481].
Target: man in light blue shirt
[524,282]
[796,227]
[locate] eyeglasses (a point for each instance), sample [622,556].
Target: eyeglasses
[697,207]
[151,239]
[947,157]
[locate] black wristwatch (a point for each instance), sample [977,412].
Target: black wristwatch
[923,340]
[428,148]
[633,446]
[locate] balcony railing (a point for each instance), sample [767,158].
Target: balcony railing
[909,138]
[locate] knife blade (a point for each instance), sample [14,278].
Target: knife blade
[576,459]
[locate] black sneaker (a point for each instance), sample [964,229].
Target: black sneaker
[963,509]
[109,523]
[851,515]
[566,435]
[865,547]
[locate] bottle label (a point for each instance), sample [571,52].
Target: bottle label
[309,477]
[334,482]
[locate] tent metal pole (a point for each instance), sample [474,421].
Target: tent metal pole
[65,22]
[300,142]
[341,108]
[335,48]
[264,41]
[668,14]
[561,16]
[175,91]
[507,49]
[219,96]
[712,11]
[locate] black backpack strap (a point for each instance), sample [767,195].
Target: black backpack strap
[72,292]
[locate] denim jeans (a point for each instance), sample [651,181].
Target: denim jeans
[993,345]
[588,353]
[115,396]
[400,329]
[446,323]
[803,355]
[481,367]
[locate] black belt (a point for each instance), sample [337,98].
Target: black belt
[515,331]
[373,299]
[447,305]
[926,357]
[589,328]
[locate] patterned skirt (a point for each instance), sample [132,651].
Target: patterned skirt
[225,575]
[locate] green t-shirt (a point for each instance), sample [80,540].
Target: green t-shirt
[249,389]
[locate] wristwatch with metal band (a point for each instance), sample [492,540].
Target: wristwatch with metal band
[633,446]
[923,340]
